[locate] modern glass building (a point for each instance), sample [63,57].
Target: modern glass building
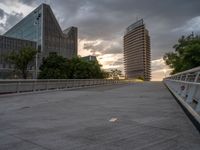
[7,45]
[41,26]
[137,51]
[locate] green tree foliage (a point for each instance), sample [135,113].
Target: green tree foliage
[83,69]
[115,73]
[22,59]
[57,67]
[141,78]
[54,67]
[186,55]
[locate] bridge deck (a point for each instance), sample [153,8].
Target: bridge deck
[138,116]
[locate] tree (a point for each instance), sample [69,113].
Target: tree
[21,59]
[54,67]
[186,55]
[105,74]
[57,67]
[115,73]
[141,78]
[83,69]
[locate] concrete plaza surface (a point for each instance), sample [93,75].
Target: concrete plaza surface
[139,116]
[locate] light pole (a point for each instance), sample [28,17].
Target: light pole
[37,39]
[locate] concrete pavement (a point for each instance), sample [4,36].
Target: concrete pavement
[140,116]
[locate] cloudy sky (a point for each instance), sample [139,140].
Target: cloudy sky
[102,23]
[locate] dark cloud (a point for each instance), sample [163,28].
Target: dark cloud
[104,47]
[116,49]
[118,62]
[11,19]
[107,19]
[2,13]
[28,2]
[103,19]
[94,46]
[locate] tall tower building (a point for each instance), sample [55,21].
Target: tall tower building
[137,54]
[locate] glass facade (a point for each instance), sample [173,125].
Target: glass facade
[41,27]
[30,28]
[7,45]
[54,39]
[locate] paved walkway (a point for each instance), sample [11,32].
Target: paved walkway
[141,116]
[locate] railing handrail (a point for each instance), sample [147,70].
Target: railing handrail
[185,86]
[193,70]
[13,80]
[28,85]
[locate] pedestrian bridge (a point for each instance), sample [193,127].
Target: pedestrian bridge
[122,116]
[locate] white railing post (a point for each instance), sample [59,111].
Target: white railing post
[34,85]
[180,86]
[47,82]
[192,90]
[183,94]
[18,86]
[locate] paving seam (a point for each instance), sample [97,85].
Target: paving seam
[29,141]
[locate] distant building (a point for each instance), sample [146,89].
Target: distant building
[90,58]
[137,55]
[42,28]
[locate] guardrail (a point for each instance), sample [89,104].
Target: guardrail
[29,85]
[185,86]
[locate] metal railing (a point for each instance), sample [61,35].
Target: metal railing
[186,87]
[17,86]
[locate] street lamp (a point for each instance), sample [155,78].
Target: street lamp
[38,16]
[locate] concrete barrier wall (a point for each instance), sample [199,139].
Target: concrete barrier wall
[17,86]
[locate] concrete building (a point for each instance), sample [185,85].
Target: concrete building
[41,27]
[90,58]
[7,45]
[137,55]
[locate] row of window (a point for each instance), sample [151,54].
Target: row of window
[11,66]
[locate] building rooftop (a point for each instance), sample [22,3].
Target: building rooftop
[134,25]
[90,58]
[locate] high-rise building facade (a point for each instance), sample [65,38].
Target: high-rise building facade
[41,27]
[137,56]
